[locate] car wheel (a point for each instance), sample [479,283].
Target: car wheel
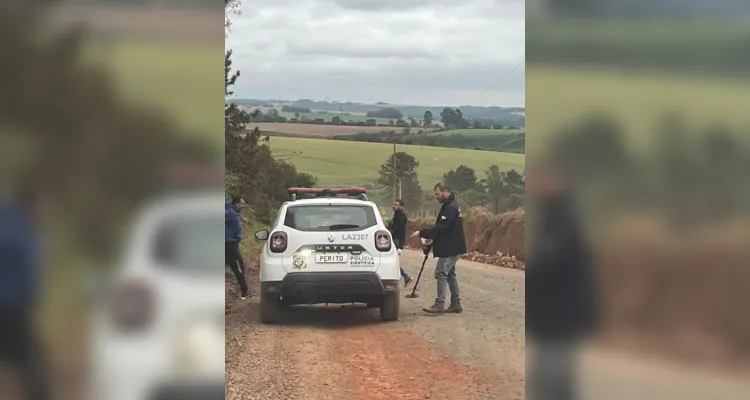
[390,307]
[269,308]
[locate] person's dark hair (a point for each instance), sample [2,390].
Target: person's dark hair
[400,202]
[236,200]
[443,187]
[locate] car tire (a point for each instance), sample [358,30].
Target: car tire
[390,306]
[269,308]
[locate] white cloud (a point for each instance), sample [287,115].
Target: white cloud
[424,52]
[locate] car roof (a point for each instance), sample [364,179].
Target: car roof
[328,200]
[206,202]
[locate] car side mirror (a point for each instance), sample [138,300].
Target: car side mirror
[262,234]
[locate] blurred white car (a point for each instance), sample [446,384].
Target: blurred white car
[329,249]
[160,332]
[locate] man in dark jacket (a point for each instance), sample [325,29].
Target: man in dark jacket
[232,238]
[448,244]
[560,299]
[397,226]
[20,272]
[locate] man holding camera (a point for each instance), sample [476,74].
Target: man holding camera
[447,244]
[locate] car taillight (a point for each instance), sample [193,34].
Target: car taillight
[132,306]
[278,242]
[383,241]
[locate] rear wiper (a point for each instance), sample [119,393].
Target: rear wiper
[342,226]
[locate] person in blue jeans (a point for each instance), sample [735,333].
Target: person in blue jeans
[448,244]
[397,226]
[232,239]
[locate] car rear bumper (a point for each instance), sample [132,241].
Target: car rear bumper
[331,287]
[189,391]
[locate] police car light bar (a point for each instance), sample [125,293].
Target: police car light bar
[296,192]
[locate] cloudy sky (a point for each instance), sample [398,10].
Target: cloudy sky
[416,52]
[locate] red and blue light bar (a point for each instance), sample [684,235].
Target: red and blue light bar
[350,190]
[295,192]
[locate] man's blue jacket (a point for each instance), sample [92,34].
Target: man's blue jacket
[232,224]
[19,259]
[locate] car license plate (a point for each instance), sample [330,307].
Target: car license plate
[331,258]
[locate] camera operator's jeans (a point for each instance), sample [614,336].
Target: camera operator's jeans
[445,274]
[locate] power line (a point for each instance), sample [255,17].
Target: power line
[516,97]
[502,78]
[507,84]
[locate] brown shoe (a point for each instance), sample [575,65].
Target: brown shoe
[435,309]
[454,308]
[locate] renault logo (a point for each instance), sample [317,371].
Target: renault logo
[331,237]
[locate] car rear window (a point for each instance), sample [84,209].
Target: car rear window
[327,218]
[189,244]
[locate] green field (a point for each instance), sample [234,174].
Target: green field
[561,96]
[182,79]
[478,132]
[338,163]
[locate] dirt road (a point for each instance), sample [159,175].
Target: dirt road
[340,352]
[347,353]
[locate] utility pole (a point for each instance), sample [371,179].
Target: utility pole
[399,189]
[393,170]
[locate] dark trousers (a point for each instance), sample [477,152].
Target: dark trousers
[551,370]
[233,258]
[21,350]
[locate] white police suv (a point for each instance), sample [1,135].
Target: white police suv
[158,328]
[328,246]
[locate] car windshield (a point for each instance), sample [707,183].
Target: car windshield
[190,244]
[326,218]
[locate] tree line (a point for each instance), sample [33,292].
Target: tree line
[689,176]
[497,189]
[449,119]
[504,115]
[509,143]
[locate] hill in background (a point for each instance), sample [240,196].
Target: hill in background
[507,116]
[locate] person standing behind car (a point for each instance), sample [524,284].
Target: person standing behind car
[232,238]
[448,244]
[21,235]
[561,300]
[397,226]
